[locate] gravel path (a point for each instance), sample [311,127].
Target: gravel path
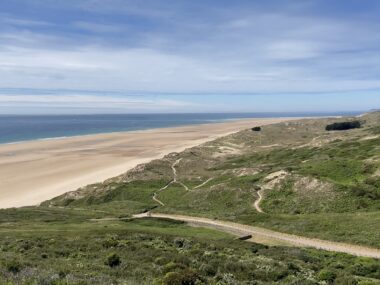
[241,229]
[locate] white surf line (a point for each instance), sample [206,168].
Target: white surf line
[295,240]
[258,201]
[204,183]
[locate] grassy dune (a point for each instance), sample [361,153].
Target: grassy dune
[328,173]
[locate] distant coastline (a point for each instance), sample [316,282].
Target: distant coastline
[23,128]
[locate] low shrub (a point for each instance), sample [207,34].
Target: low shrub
[184,277]
[13,266]
[327,275]
[345,280]
[113,260]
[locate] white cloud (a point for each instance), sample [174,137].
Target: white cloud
[234,51]
[14,21]
[11,103]
[98,28]
[289,50]
[146,70]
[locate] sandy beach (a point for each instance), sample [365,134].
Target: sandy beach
[32,172]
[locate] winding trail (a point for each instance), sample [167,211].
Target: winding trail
[161,189]
[174,180]
[175,170]
[203,184]
[294,240]
[256,204]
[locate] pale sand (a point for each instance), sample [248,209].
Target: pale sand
[32,172]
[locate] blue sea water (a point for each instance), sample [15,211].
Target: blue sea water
[15,128]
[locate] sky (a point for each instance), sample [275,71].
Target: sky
[169,56]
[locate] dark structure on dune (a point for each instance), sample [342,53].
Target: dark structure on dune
[342,126]
[256,129]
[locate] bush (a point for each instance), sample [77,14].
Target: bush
[208,269]
[327,275]
[173,266]
[113,260]
[184,277]
[13,266]
[367,282]
[369,269]
[256,129]
[345,280]
[342,126]
[291,280]
[182,243]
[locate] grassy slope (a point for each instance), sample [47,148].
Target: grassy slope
[58,246]
[347,162]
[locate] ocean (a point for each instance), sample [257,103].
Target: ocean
[16,128]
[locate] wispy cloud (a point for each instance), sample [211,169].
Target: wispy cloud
[20,22]
[98,28]
[12,103]
[190,46]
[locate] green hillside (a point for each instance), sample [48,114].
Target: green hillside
[329,181]
[313,182]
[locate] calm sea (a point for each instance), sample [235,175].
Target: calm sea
[22,128]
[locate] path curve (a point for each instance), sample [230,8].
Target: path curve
[174,180]
[258,201]
[175,170]
[157,200]
[203,183]
[241,229]
[159,190]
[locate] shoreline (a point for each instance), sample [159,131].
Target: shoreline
[137,130]
[205,122]
[34,171]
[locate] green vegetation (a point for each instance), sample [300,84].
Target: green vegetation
[158,251]
[356,228]
[314,183]
[327,174]
[113,260]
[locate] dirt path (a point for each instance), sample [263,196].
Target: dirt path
[203,184]
[171,182]
[258,201]
[299,241]
[158,191]
[175,170]
[157,200]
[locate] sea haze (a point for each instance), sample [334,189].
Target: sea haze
[15,128]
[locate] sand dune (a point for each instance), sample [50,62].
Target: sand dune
[32,172]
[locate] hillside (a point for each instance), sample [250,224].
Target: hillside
[293,177]
[308,177]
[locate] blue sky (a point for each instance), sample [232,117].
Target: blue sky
[123,56]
